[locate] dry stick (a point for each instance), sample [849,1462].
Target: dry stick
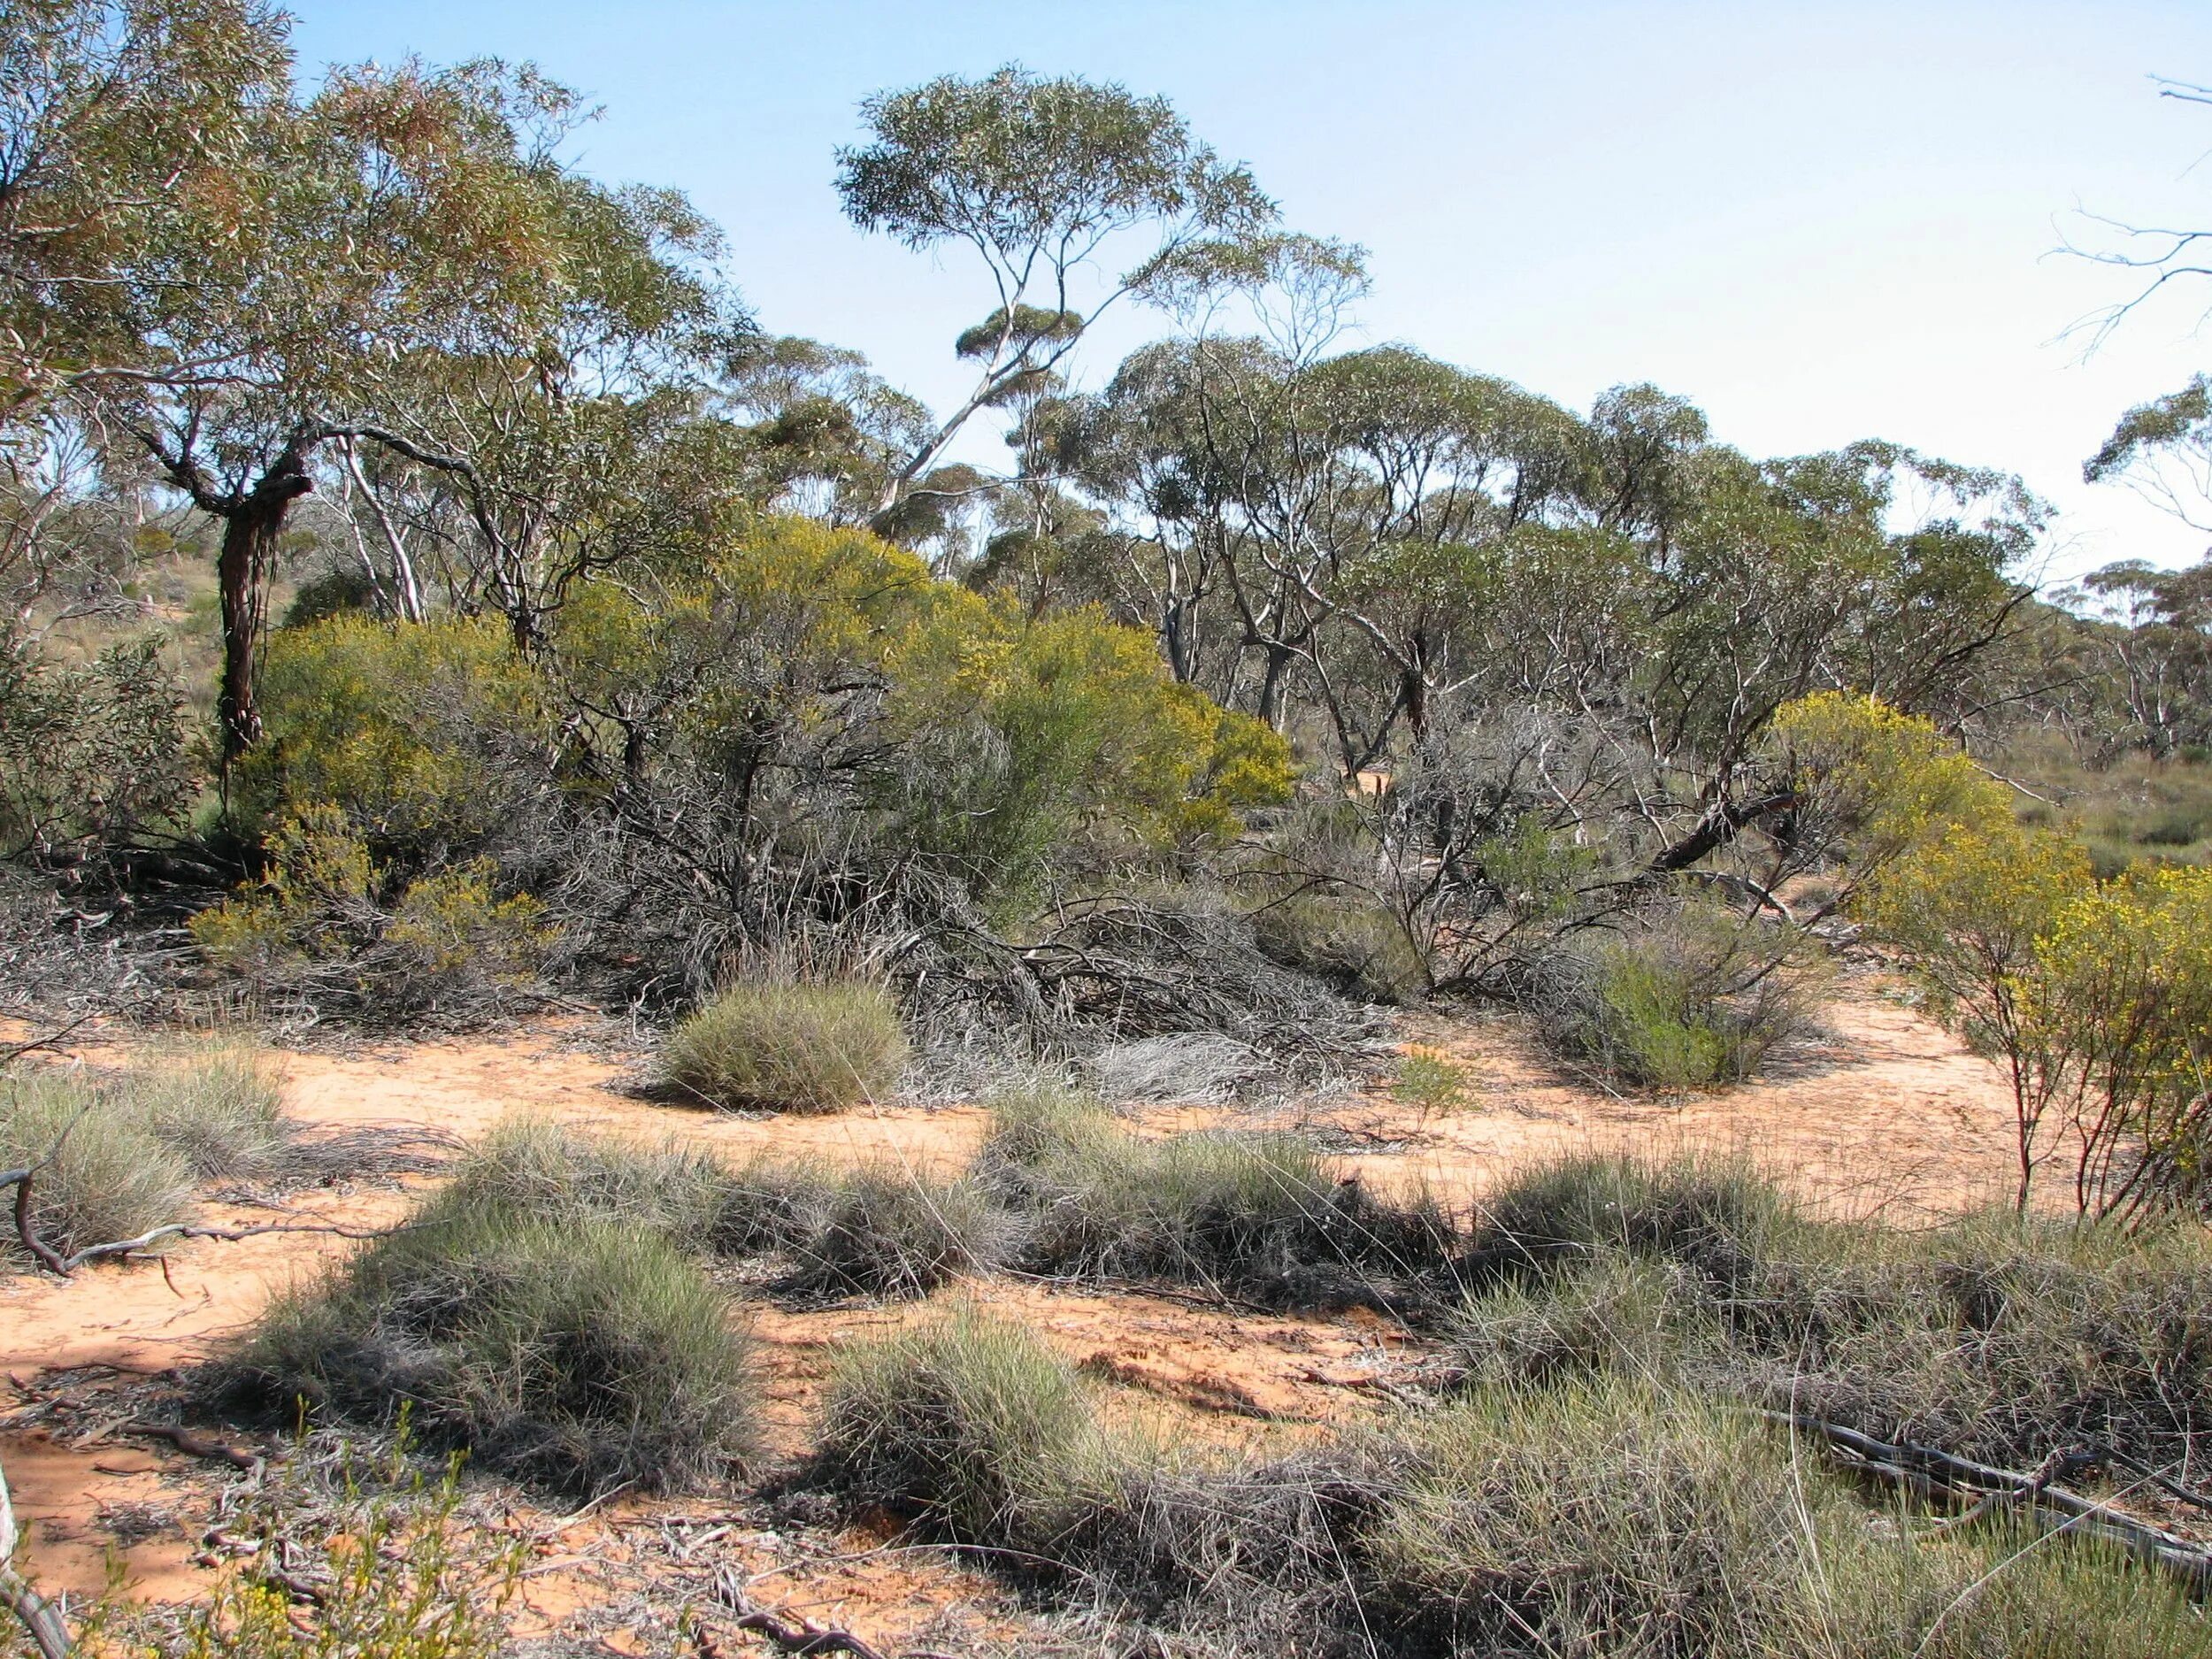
[795,1635]
[46,1041]
[1935,1476]
[195,1445]
[37,1613]
[65,1266]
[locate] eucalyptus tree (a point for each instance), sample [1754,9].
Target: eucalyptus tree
[117,117]
[1043,180]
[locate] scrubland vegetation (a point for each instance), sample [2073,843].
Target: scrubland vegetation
[431,597]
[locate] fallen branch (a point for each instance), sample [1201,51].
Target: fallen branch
[195,1445]
[65,1266]
[1939,1476]
[792,1635]
[38,1616]
[46,1042]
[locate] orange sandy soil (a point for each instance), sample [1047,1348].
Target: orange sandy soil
[1885,1116]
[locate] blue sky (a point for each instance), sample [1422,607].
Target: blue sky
[1819,222]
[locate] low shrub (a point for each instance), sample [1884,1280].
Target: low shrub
[789,1048]
[113,1177]
[1349,938]
[969,1425]
[580,1353]
[1684,999]
[1430,1084]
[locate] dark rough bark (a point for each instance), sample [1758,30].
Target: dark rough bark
[251,524]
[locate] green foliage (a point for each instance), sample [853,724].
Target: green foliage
[1024,734]
[1431,1085]
[582,1353]
[789,1048]
[887,1230]
[401,728]
[961,1423]
[1681,999]
[2096,999]
[94,757]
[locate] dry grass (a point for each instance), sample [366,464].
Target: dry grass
[789,1048]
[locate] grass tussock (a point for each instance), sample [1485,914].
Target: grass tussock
[1995,1337]
[134,1145]
[1258,1213]
[580,1351]
[969,1425]
[1608,1517]
[789,1048]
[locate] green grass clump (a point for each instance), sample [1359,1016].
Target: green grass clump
[969,1425]
[789,1048]
[1992,1337]
[136,1143]
[579,1352]
[1609,1517]
[112,1178]
[1708,1214]
[1260,1213]
[531,1167]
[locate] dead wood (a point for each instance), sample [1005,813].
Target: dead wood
[792,1635]
[195,1445]
[1939,1478]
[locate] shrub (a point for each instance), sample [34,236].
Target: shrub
[1430,1084]
[1349,939]
[789,1048]
[92,756]
[398,1572]
[112,1178]
[580,1352]
[404,728]
[1683,999]
[328,923]
[967,1424]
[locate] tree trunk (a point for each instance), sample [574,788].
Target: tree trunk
[250,528]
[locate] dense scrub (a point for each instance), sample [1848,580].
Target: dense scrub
[1593,1517]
